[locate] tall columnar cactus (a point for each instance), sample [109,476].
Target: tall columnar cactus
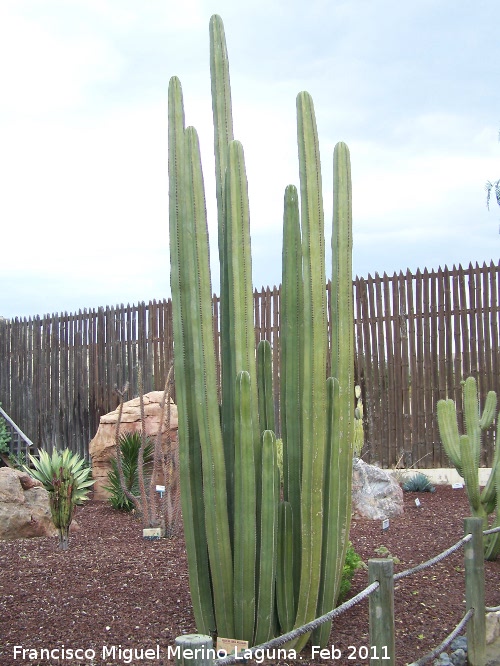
[246,546]
[464,451]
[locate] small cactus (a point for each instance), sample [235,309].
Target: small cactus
[359,432]
[464,451]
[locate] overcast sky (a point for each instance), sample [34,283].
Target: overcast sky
[412,87]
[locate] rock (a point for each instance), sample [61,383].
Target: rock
[459,657]
[375,493]
[24,506]
[459,643]
[28,482]
[102,448]
[492,626]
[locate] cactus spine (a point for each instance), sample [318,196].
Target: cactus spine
[245,547]
[464,452]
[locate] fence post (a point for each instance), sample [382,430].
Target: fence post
[382,644]
[474,592]
[195,650]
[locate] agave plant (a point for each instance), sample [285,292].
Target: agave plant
[418,483]
[66,479]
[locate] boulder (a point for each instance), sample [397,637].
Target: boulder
[102,447]
[492,627]
[375,493]
[24,506]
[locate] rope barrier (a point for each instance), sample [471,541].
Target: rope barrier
[434,560]
[423,660]
[492,531]
[314,624]
[306,628]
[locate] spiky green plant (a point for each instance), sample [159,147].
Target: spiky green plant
[418,483]
[464,451]
[130,443]
[259,565]
[65,476]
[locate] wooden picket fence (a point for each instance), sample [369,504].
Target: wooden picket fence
[417,336]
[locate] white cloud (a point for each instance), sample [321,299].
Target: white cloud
[47,72]
[94,190]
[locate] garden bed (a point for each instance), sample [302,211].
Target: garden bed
[113,588]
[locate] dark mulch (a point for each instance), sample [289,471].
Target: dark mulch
[113,588]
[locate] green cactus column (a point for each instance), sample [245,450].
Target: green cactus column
[340,437]
[291,374]
[193,331]
[464,452]
[223,135]
[245,524]
[314,363]
[266,619]
[193,510]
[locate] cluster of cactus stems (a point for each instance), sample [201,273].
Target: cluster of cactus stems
[464,451]
[260,562]
[61,504]
[155,511]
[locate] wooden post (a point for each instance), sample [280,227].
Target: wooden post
[474,592]
[195,650]
[382,645]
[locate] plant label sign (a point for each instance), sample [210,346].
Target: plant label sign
[153,533]
[385,524]
[230,645]
[457,486]
[417,502]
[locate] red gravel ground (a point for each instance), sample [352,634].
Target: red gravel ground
[113,588]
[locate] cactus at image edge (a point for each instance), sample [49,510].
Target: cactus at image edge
[464,451]
[259,565]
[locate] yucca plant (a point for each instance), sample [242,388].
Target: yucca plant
[65,476]
[130,443]
[150,461]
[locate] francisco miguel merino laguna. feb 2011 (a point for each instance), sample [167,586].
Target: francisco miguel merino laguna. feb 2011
[131,655]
